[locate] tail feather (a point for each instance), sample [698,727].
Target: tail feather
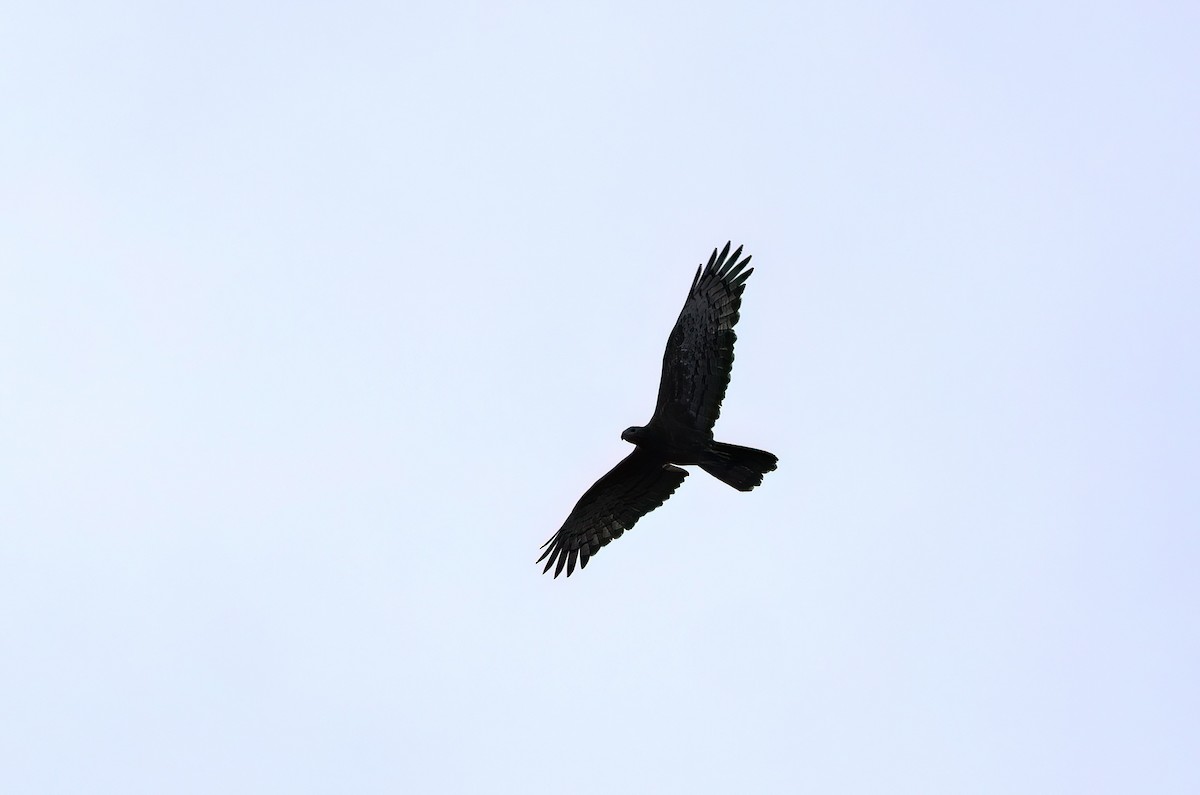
[740,467]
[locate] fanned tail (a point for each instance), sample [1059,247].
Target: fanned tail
[740,467]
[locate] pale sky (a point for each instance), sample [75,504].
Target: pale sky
[317,319]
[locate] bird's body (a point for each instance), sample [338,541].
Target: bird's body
[671,442]
[696,367]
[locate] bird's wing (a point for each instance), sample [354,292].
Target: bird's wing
[632,489]
[699,355]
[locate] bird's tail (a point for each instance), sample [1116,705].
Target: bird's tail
[740,467]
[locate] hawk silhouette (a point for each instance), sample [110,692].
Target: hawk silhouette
[696,367]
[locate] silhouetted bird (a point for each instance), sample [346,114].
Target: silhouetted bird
[695,372]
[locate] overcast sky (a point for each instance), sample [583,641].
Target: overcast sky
[317,319]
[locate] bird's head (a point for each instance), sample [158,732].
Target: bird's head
[632,434]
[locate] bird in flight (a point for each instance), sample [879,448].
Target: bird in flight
[695,373]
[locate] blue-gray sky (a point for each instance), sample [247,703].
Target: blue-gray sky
[316,319]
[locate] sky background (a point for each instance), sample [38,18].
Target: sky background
[317,319]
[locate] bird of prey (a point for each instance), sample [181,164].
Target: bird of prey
[695,372]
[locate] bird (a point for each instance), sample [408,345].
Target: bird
[695,374]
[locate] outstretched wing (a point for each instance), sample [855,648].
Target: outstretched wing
[632,489]
[699,355]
